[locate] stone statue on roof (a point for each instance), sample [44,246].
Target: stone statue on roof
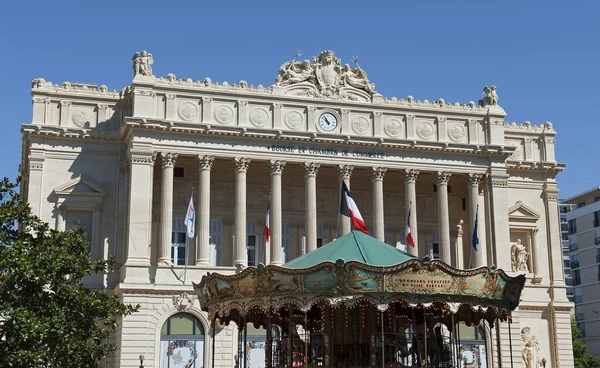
[142,63]
[491,97]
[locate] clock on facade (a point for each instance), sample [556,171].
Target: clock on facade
[328,121]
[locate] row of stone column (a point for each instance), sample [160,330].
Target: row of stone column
[310,169]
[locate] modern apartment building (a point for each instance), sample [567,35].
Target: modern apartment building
[583,226]
[563,208]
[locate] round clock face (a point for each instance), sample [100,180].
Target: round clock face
[328,122]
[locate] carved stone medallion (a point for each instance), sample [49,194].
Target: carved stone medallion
[188,111]
[259,117]
[224,114]
[81,118]
[360,125]
[393,128]
[293,120]
[456,132]
[425,130]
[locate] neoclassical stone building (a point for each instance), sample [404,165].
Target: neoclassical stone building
[124,165]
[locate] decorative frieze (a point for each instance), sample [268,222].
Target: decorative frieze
[36,163]
[142,157]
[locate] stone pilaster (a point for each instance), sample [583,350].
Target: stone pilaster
[500,231]
[410,199]
[202,240]
[442,178]
[166,208]
[240,254]
[479,257]
[276,169]
[61,216]
[310,176]
[553,236]
[344,174]
[378,173]
[139,217]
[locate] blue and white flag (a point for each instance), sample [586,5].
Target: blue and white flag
[190,218]
[475,237]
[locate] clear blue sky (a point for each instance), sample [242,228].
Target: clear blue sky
[543,56]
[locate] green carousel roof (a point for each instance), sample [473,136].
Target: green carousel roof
[354,246]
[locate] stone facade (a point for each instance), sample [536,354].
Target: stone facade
[124,165]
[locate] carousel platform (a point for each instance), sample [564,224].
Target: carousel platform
[358,302]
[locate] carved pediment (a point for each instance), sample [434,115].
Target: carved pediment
[520,211]
[79,187]
[325,76]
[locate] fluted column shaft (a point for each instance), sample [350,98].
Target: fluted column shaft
[344,173]
[202,240]
[480,256]
[443,216]
[378,173]
[166,208]
[241,168]
[410,205]
[276,168]
[310,176]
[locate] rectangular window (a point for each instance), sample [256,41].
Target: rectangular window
[179,242]
[581,328]
[434,248]
[598,272]
[580,204]
[576,277]
[321,239]
[215,241]
[596,219]
[566,264]
[572,226]
[286,241]
[178,172]
[251,243]
[575,261]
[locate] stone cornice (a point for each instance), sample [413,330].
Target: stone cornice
[553,167]
[69,133]
[40,86]
[159,125]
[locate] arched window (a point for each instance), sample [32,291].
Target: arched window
[182,342]
[473,345]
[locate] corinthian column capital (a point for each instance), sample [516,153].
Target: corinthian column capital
[205,162]
[276,166]
[345,171]
[311,168]
[410,175]
[168,159]
[378,173]
[474,179]
[442,177]
[241,164]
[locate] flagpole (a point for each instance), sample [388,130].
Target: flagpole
[187,250]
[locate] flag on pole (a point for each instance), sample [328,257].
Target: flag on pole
[348,208]
[190,218]
[475,237]
[409,238]
[267,231]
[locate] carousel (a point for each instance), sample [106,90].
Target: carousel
[358,302]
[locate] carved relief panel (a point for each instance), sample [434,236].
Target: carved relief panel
[188,110]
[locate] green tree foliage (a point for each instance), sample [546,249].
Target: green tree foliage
[47,317]
[582,358]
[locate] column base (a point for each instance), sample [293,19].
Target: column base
[135,273]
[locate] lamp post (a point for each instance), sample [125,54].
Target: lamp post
[544,362]
[142,360]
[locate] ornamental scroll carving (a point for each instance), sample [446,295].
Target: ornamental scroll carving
[241,164]
[311,168]
[168,159]
[325,76]
[36,163]
[378,173]
[183,302]
[276,166]
[205,162]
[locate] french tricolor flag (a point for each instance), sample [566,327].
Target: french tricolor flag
[348,208]
[409,238]
[267,231]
